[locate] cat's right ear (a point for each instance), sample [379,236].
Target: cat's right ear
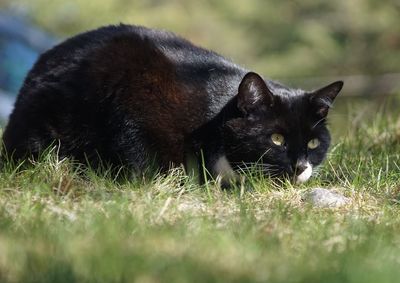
[252,91]
[323,98]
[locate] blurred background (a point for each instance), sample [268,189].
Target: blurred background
[305,43]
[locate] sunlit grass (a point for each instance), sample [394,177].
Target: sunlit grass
[62,223]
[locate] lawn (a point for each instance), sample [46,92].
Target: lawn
[63,224]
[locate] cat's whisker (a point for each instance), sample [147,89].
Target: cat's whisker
[250,166]
[319,121]
[254,164]
[316,171]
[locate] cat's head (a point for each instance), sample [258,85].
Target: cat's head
[280,130]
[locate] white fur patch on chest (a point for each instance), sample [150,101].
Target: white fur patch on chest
[223,168]
[305,175]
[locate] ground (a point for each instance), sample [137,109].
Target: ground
[61,224]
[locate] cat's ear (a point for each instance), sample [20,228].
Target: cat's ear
[252,91]
[323,98]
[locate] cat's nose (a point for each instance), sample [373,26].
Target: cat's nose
[303,171]
[300,167]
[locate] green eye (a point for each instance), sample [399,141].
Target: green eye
[278,139]
[313,144]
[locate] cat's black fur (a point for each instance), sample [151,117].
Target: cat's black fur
[130,96]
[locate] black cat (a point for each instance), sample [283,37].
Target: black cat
[131,96]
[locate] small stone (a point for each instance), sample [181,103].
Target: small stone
[326,198]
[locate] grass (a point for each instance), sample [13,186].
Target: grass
[59,225]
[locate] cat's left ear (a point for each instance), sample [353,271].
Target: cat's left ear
[323,98]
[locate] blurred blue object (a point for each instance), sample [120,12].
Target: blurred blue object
[6,106]
[15,60]
[20,46]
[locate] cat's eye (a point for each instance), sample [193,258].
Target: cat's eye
[278,139]
[313,144]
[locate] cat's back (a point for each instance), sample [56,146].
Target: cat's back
[187,58]
[81,51]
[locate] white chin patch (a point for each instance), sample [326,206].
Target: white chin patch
[305,175]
